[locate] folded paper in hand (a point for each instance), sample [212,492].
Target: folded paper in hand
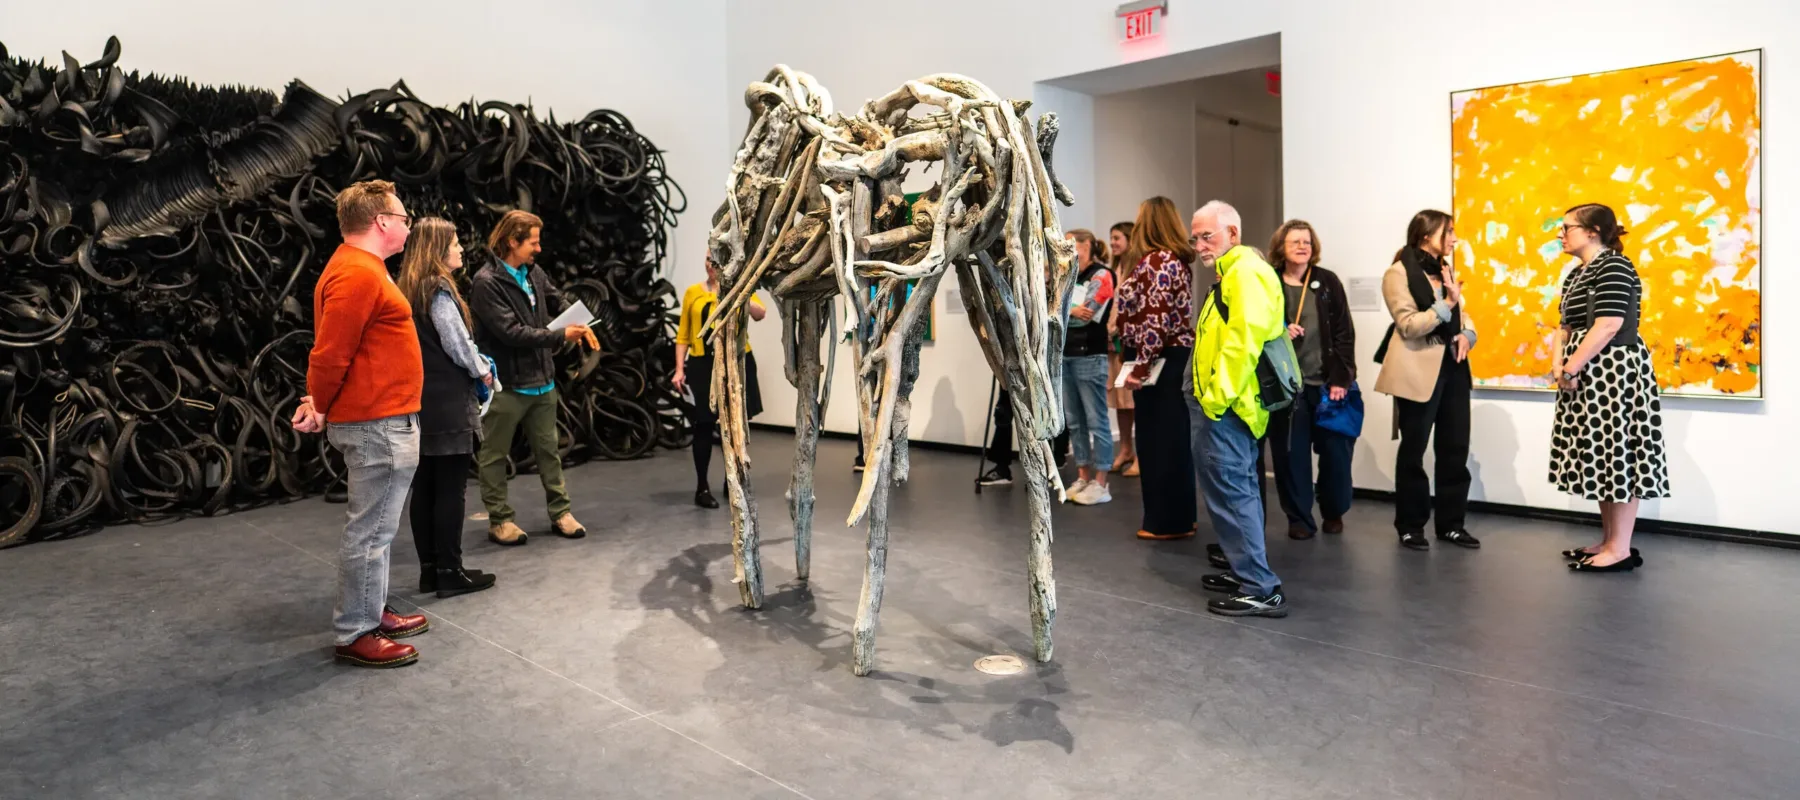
[1129,367]
[577,314]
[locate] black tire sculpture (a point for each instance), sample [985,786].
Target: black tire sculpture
[159,244]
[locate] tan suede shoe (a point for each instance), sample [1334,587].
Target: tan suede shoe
[568,528]
[506,533]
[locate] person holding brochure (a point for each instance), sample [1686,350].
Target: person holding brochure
[694,371]
[1155,305]
[1084,371]
[513,303]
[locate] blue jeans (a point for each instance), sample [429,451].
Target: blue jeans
[1293,437]
[1225,456]
[1084,409]
[380,457]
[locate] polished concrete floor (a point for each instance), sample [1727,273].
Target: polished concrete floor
[193,661]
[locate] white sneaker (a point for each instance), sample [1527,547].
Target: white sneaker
[1097,493]
[1075,489]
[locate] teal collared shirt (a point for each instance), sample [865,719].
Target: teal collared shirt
[523,278]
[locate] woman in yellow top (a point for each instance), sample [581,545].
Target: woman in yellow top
[694,369]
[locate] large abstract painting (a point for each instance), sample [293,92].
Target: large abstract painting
[1676,149]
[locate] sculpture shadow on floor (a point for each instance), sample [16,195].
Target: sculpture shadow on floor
[689,586]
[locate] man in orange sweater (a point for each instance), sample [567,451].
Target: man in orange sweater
[363,382]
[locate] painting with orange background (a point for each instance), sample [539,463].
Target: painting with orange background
[1676,150]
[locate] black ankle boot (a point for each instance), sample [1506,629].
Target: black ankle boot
[452,582]
[703,498]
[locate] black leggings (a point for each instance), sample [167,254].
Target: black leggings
[705,423]
[438,489]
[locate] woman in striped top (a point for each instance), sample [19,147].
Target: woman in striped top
[1607,444]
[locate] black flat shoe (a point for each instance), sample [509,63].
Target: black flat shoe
[1460,539]
[704,499]
[452,582]
[1581,554]
[1627,565]
[1414,541]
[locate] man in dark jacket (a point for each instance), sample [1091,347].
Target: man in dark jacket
[513,303]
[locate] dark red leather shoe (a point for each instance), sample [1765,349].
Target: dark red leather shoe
[396,626]
[376,650]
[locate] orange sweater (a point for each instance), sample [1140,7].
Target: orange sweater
[365,362]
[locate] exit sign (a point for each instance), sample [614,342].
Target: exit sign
[1141,20]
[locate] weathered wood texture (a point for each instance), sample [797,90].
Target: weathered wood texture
[813,213]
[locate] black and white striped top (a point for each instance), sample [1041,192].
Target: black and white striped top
[1613,282]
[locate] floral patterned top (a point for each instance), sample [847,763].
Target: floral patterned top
[1156,306]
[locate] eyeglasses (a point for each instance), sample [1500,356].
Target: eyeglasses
[407,219]
[1567,227]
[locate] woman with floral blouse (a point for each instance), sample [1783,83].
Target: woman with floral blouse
[1156,307]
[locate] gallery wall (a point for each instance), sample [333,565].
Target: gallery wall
[1365,144]
[567,57]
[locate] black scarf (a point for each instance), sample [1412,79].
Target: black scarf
[1419,265]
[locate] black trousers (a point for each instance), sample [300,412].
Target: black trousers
[1165,460]
[1293,438]
[1447,415]
[701,418]
[438,491]
[1000,449]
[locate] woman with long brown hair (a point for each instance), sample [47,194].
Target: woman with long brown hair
[449,419]
[1118,398]
[1156,310]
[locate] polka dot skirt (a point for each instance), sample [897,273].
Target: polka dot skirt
[1607,444]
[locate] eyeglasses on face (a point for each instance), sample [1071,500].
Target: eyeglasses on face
[405,219]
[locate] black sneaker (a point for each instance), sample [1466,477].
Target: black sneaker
[998,476]
[1215,555]
[1273,604]
[1414,541]
[1225,582]
[859,466]
[1461,539]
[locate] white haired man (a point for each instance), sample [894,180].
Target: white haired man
[1240,315]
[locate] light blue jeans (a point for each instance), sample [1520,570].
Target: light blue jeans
[1225,456]
[1084,411]
[380,457]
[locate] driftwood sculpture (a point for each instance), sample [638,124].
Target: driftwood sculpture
[815,210]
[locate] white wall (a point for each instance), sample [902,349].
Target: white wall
[571,57]
[1366,120]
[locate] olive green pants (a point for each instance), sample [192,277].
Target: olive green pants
[537,414]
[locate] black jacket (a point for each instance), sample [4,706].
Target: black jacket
[510,331]
[1339,331]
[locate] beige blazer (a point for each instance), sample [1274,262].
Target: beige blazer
[1410,369]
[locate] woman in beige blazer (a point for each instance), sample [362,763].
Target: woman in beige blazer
[1425,366]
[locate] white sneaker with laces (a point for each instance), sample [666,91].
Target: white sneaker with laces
[1075,489]
[1097,493]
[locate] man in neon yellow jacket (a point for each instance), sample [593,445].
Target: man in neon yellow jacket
[1226,417]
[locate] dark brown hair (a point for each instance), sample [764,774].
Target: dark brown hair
[513,228]
[360,203]
[1424,225]
[1278,244]
[1602,221]
[1158,227]
[426,267]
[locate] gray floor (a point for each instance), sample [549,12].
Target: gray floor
[193,661]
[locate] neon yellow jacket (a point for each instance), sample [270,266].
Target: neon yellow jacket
[1226,353]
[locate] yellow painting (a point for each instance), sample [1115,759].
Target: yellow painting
[1676,150]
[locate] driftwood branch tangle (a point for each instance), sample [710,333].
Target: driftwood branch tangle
[814,212]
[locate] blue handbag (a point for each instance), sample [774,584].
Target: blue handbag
[1344,417]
